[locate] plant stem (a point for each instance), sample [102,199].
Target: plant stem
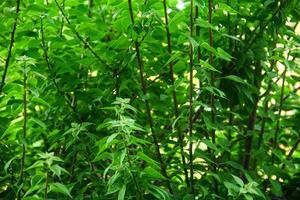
[11,44]
[191,55]
[249,135]
[148,110]
[90,4]
[50,68]
[252,117]
[46,185]
[82,40]
[24,130]
[279,113]
[289,156]
[212,83]
[198,48]
[176,112]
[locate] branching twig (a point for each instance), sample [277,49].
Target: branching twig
[84,42]
[50,68]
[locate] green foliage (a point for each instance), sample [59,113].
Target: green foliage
[149,99]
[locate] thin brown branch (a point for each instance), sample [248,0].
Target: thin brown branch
[24,133]
[190,119]
[148,110]
[84,42]
[174,95]
[11,44]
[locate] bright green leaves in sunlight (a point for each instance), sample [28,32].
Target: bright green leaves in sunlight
[149,99]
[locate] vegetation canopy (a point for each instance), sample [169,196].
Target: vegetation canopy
[150,99]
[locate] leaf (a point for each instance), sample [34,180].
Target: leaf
[204,24]
[238,180]
[232,189]
[174,57]
[209,144]
[149,160]
[40,101]
[111,138]
[215,91]
[206,46]
[179,67]
[39,122]
[223,54]
[60,188]
[56,169]
[230,36]
[223,6]
[236,79]
[121,194]
[6,166]
[206,65]
[158,192]
[235,165]
[248,196]
[276,188]
[153,173]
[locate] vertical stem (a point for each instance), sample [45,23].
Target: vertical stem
[11,44]
[279,113]
[62,20]
[191,55]
[139,193]
[263,124]
[198,48]
[228,26]
[46,185]
[252,117]
[176,112]
[212,83]
[266,108]
[24,130]
[249,136]
[294,148]
[211,63]
[50,67]
[229,134]
[90,4]
[148,110]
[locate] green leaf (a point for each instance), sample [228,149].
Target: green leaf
[158,192]
[206,65]
[236,79]
[153,173]
[40,101]
[223,54]
[60,188]
[206,46]
[111,138]
[57,170]
[223,6]
[276,188]
[204,24]
[238,180]
[232,189]
[174,57]
[121,194]
[149,160]
[248,196]
[39,122]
